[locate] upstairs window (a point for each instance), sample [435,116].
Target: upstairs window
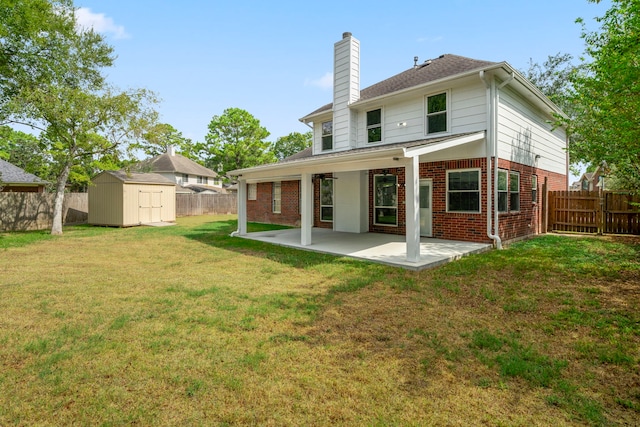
[202,180]
[374,125]
[185,178]
[327,136]
[463,191]
[437,113]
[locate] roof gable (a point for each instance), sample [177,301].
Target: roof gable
[11,174]
[175,164]
[139,178]
[430,71]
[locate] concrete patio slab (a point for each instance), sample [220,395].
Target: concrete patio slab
[381,248]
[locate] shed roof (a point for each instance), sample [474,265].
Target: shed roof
[175,163]
[11,174]
[431,70]
[139,178]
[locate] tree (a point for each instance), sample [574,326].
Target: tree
[552,77]
[162,136]
[24,150]
[289,145]
[607,90]
[51,80]
[235,141]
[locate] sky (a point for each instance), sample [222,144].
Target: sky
[274,58]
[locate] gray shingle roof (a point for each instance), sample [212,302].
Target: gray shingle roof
[174,164]
[140,178]
[11,174]
[435,69]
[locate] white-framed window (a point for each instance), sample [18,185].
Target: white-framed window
[252,191]
[534,188]
[276,197]
[374,125]
[385,209]
[185,178]
[202,180]
[514,191]
[326,200]
[327,135]
[463,190]
[437,119]
[503,190]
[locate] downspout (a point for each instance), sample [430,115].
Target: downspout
[496,230]
[489,140]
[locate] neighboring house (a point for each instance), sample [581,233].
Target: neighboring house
[592,181]
[190,176]
[14,179]
[453,148]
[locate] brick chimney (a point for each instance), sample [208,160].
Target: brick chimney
[346,90]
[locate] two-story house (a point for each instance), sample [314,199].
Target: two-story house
[453,148]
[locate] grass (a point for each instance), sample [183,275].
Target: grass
[184,325]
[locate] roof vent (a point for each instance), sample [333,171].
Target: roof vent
[415,62]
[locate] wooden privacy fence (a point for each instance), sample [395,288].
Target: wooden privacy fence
[34,211]
[612,212]
[206,204]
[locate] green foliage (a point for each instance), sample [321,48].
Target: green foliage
[607,92]
[51,80]
[24,151]
[160,137]
[552,78]
[291,144]
[235,140]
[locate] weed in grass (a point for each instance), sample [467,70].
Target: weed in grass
[253,360]
[488,294]
[38,346]
[526,363]
[520,305]
[484,340]
[120,322]
[248,323]
[194,387]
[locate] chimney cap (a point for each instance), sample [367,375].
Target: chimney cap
[346,34]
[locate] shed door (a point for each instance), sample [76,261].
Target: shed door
[150,206]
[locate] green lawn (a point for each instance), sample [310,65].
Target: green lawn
[184,325]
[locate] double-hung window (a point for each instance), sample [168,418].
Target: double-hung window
[503,190]
[374,125]
[534,188]
[276,197]
[327,136]
[514,191]
[437,113]
[463,190]
[508,191]
[326,200]
[252,191]
[385,210]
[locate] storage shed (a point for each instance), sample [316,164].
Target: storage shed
[124,199]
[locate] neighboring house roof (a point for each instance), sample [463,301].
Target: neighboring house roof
[431,70]
[199,188]
[175,164]
[139,178]
[11,174]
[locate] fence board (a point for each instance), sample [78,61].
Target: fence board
[34,211]
[206,204]
[594,212]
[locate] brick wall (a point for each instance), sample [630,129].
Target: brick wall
[445,225]
[260,210]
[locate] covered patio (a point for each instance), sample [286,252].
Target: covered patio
[386,249]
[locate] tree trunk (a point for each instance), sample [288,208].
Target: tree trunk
[56,227]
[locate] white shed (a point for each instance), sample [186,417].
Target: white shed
[123,199]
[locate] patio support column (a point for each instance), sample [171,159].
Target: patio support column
[242,207]
[306,209]
[412,208]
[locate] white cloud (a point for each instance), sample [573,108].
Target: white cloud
[324,82]
[100,23]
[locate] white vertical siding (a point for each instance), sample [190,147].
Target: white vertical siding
[524,132]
